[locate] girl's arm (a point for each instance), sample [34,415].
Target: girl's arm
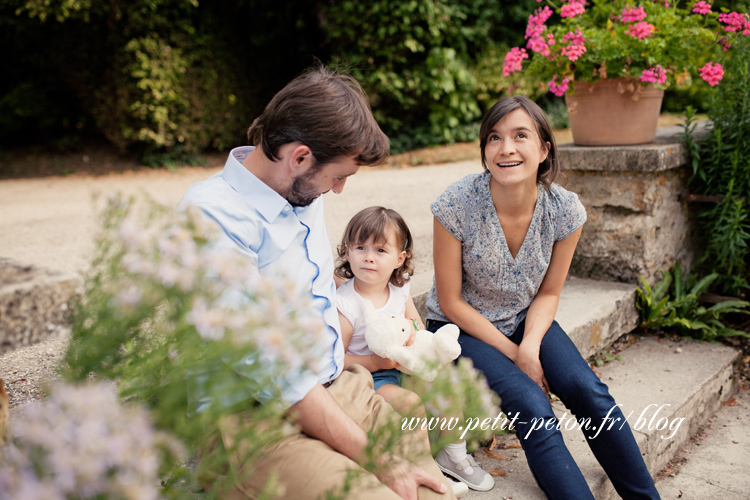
[544,307]
[446,255]
[372,362]
[412,313]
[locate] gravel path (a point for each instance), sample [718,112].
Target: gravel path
[26,371]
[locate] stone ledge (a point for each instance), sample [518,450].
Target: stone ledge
[34,303]
[593,313]
[639,158]
[665,153]
[693,378]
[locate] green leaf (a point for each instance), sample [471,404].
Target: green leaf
[702,285]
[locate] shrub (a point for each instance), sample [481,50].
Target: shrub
[720,165]
[415,60]
[155,76]
[674,303]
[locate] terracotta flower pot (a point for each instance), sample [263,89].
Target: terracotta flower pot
[613,112]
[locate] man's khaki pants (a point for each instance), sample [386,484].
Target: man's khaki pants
[306,468]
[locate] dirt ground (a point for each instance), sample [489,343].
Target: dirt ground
[98,160]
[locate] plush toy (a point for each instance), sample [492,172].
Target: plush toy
[386,336]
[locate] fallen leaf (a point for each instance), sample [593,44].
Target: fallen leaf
[496,472]
[514,445]
[745,360]
[731,401]
[493,455]
[494,442]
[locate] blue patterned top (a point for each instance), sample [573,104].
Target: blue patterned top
[500,287]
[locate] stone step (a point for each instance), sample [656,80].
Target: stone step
[593,313]
[34,303]
[657,382]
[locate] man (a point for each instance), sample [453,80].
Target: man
[313,135]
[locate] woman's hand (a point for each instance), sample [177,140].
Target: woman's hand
[383,363]
[528,361]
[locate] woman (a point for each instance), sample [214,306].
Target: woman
[503,243]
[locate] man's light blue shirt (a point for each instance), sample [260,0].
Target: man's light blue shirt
[279,239]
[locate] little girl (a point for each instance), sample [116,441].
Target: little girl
[376,251]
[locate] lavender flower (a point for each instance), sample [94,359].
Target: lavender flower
[81,443]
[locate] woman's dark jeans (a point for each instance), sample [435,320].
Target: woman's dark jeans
[586,397]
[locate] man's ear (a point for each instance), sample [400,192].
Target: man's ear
[300,159]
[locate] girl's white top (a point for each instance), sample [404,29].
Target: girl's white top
[349,303]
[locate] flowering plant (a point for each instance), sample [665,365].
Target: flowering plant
[192,334]
[82,443]
[657,42]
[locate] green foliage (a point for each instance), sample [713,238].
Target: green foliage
[165,79]
[155,76]
[557,112]
[674,303]
[720,166]
[415,59]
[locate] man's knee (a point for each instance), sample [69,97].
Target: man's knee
[412,403]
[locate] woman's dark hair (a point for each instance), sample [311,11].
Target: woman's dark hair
[375,222]
[326,111]
[550,168]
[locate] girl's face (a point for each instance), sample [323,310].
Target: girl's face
[514,150]
[374,262]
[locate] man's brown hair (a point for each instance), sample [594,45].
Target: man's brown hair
[326,111]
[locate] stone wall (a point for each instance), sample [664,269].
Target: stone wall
[635,197]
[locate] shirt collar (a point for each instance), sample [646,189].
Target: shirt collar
[266,201]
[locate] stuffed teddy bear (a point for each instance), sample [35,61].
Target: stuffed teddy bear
[386,336]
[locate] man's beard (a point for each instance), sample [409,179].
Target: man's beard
[303,192]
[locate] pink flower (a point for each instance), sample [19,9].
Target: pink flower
[712,73]
[558,90]
[538,44]
[702,7]
[640,30]
[575,47]
[657,75]
[535,31]
[735,22]
[572,37]
[574,51]
[724,42]
[536,26]
[573,8]
[513,60]
[633,15]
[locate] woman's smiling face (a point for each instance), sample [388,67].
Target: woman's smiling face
[514,149]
